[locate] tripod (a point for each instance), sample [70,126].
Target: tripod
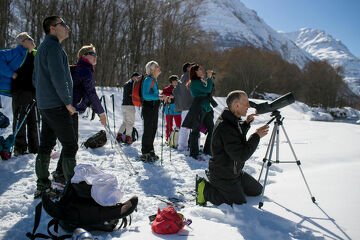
[267,159]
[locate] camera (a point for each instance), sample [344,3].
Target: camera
[278,103]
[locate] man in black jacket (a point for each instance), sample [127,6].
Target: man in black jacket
[228,182]
[128,110]
[23,95]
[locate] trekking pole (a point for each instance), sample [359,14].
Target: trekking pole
[18,127]
[37,122]
[162,132]
[120,150]
[169,119]
[23,120]
[113,105]
[107,117]
[17,118]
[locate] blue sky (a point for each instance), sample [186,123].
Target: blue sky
[339,18]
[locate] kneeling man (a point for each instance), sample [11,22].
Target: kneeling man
[228,182]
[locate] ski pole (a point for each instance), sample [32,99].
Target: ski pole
[17,118]
[113,105]
[169,126]
[17,129]
[23,120]
[162,132]
[120,150]
[37,122]
[106,112]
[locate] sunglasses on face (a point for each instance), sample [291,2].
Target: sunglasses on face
[62,23]
[91,53]
[28,38]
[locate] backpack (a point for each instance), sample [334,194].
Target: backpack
[167,221]
[136,96]
[97,140]
[174,138]
[77,209]
[4,121]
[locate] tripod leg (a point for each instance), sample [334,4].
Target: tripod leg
[298,164]
[269,162]
[261,203]
[267,152]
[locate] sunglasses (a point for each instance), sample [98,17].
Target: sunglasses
[28,38]
[91,53]
[62,23]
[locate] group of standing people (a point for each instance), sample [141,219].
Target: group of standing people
[186,101]
[62,93]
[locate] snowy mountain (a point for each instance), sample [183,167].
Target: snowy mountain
[233,24]
[325,47]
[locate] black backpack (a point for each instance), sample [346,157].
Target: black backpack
[97,140]
[77,209]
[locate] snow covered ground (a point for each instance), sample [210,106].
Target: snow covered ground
[329,153]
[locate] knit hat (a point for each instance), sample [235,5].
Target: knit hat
[135,74]
[22,37]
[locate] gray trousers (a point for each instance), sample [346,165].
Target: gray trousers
[128,119]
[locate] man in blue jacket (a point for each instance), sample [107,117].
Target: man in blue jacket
[54,96]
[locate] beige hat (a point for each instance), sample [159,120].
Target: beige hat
[22,37]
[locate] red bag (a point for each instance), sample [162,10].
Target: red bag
[167,221]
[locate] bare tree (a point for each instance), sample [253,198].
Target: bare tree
[5,20]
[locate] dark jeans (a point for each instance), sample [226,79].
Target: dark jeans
[56,123]
[150,113]
[224,192]
[21,100]
[207,120]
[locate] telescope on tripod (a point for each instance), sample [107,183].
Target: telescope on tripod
[273,107]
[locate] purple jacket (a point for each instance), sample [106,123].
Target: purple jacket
[84,88]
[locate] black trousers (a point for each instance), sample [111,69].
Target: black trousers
[150,114]
[58,123]
[218,192]
[75,118]
[21,100]
[207,120]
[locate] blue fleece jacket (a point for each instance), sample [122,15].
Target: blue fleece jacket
[148,93]
[10,61]
[51,78]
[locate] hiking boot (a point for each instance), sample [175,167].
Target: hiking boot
[128,140]
[53,193]
[146,158]
[19,151]
[199,190]
[154,156]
